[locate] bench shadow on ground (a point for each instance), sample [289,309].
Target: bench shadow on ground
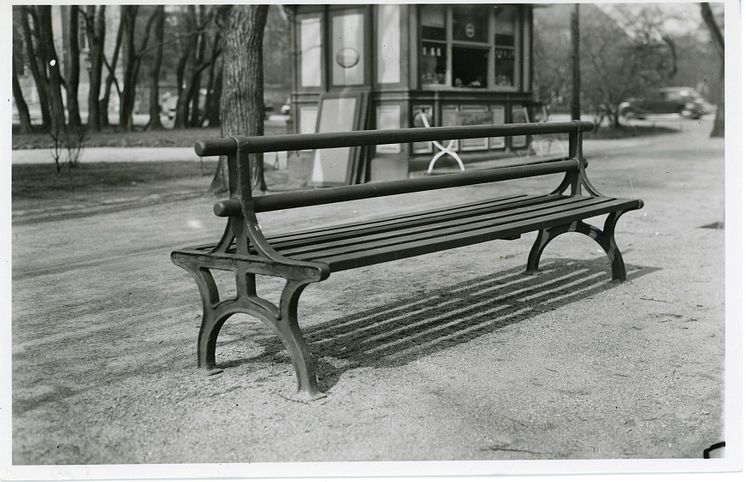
[407,329]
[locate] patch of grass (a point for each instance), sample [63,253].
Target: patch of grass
[42,180]
[624,132]
[113,137]
[40,194]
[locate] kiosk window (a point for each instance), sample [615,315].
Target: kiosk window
[433,18]
[470,67]
[348,49]
[434,63]
[433,57]
[310,51]
[505,26]
[470,46]
[471,23]
[505,43]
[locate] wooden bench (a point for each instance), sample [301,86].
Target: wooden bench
[308,256]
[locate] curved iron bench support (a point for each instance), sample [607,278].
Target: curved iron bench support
[604,238]
[283,320]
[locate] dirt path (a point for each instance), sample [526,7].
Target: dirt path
[450,356]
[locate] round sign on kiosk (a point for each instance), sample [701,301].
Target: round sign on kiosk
[470,30]
[347,57]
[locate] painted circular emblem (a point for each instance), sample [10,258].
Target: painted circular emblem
[469,30]
[347,57]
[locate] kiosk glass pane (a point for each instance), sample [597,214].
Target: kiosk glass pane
[434,63]
[470,67]
[310,52]
[348,54]
[471,23]
[504,67]
[505,26]
[433,20]
[389,56]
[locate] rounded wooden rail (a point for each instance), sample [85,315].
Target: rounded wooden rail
[292,142]
[274,202]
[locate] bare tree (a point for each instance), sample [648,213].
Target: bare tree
[718,127]
[552,73]
[35,61]
[155,71]
[24,116]
[95,21]
[196,81]
[51,64]
[111,78]
[622,63]
[193,62]
[242,99]
[131,61]
[211,115]
[72,66]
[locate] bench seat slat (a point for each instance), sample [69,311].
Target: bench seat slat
[437,230]
[278,238]
[404,232]
[382,225]
[465,237]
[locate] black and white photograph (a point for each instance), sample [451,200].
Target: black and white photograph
[395,239]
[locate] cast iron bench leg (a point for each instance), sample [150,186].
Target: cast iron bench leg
[604,238]
[283,321]
[289,332]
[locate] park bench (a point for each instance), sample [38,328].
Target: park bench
[308,256]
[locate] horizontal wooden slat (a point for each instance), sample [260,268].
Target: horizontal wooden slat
[437,230]
[273,202]
[364,239]
[395,224]
[227,146]
[467,237]
[282,237]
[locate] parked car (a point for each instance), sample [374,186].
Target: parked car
[684,101]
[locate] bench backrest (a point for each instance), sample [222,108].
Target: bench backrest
[237,150]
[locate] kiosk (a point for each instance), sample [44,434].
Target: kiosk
[390,66]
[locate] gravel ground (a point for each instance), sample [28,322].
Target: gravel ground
[449,356]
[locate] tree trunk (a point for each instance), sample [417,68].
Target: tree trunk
[73,67]
[24,117]
[213,105]
[242,99]
[155,72]
[96,32]
[211,88]
[201,47]
[23,114]
[127,103]
[718,127]
[49,56]
[131,61]
[111,77]
[575,40]
[185,70]
[36,64]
